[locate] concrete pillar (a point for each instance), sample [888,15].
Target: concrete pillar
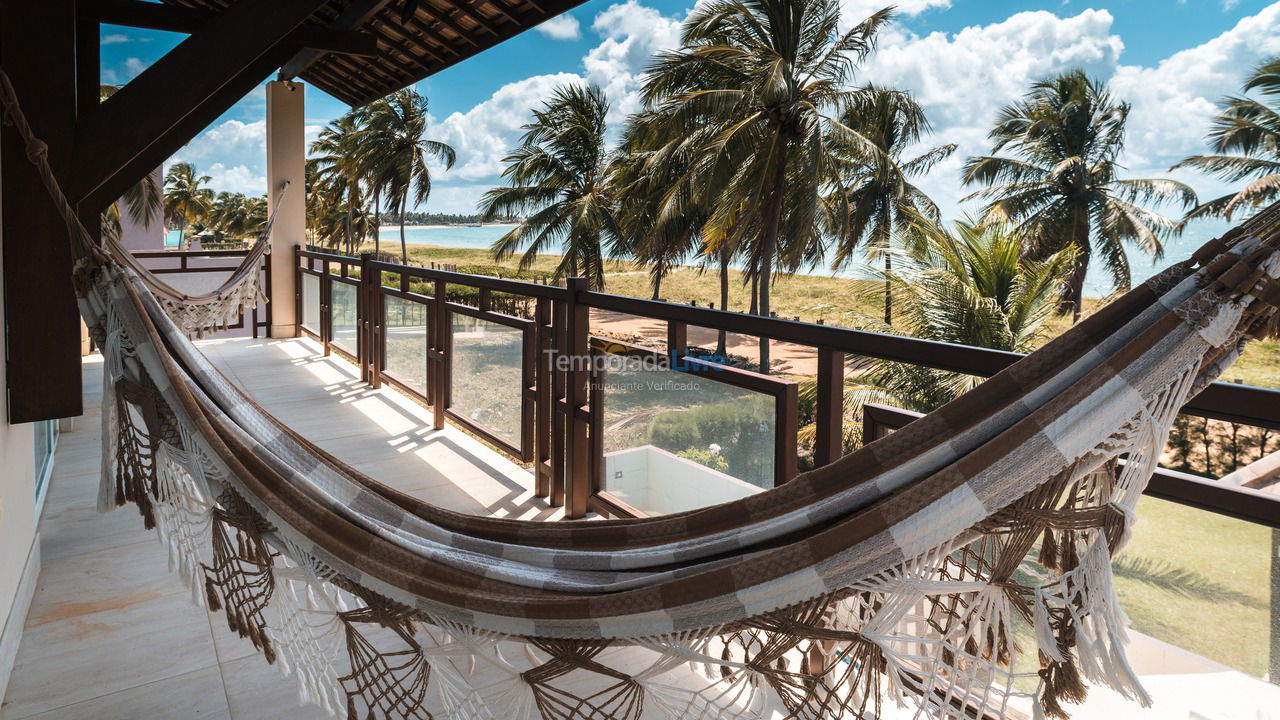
[286,162]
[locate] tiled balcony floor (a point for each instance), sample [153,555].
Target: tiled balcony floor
[113,634]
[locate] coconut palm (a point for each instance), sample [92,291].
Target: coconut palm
[558,180]
[393,150]
[234,215]
[878,185]
[339,179]
[186,200]
[752,95]
[972,285]
[143,201]
[1246,136]
[1061,184]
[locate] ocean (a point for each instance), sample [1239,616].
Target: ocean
[1097,283]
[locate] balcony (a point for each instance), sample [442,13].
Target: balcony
[430,382]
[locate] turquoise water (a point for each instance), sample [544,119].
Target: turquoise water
[1096,284]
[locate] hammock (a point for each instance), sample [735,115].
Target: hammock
[960,566]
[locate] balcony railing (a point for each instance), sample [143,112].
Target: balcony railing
[494,355]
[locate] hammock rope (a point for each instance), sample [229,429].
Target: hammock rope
[960,566]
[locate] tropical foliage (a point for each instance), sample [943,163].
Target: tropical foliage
[378,152]
[1061,181]
[879,190]
[971,285]
[1245,138]
[187,200]
[559,180]
[749,102]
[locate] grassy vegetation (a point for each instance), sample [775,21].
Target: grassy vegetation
[1188,575]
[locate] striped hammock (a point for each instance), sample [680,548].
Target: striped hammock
[960,567]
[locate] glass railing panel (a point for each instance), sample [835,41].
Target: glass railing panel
[311,303]
[405,323]
[1201,583]
[487,375]
[343,304]
[1201,593]
[676,441]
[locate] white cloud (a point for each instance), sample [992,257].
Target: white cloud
[1174,101]
[962,79]
[631,33]
[234,155]
[561,27]
[855,11]
[483,135]
[115,39]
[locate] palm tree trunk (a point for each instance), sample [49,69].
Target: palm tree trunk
[722,336]
[888,290]
[1073,297]
[377,222]
[772,221]
[404,245]
[755,289]
[657,284]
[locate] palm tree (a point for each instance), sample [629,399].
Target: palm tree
[559,181]
[186,200]
[751,95]
[879,191]
[392,152]
[1061,186]
[1250,128]
[972,286]
[339,178]
[235,216]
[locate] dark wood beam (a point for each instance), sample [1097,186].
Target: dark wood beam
[170,102]
[353,16]
[42,322]
[154,16]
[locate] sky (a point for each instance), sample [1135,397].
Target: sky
[963,59]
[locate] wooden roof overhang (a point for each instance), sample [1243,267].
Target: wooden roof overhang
[408,40]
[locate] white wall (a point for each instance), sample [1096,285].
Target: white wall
[17,510]
[657,482]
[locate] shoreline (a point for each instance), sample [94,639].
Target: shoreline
[396,228]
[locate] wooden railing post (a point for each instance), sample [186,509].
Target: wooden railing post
[677,339]
[326,307]
[544,342]
[578,448]
[559,381]
[439,335]
[828,446]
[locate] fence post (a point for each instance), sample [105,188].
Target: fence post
[326,309]
[544,344]
[578,450]
[439,335]
[829,444]
[677,340]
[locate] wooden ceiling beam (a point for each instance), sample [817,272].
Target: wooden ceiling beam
[172,18]
[170,102]
[353,17]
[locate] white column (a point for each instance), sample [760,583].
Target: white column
[286,163]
